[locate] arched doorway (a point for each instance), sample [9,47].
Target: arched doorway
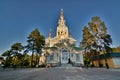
[65,55]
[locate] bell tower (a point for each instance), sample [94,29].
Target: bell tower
[62,29]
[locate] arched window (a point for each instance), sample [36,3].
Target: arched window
[58,33]
[77,57]
[52,57]
[64,51]
[65,32]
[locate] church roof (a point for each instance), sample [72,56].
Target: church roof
[77,48]
[55,48]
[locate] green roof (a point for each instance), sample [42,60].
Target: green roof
[77,48]
[51,47]
[108,55]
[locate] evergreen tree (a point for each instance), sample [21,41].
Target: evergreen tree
[16,49]
[96,38]
[7,54]
[35,44]
[13,56]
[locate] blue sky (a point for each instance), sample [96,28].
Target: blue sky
[19,17]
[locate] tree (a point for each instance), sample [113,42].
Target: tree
[86,44]
[13,56]
[7,54]
[36,42]
[116,49]
[25,60]
[16,49]
[96,38]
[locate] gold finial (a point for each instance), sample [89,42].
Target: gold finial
[70,34]
[50,33]
[50,29]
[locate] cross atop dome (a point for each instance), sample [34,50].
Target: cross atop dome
[62,14]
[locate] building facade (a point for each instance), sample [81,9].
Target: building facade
[113,60]
[61,48]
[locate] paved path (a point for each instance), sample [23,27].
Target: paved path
[60,73]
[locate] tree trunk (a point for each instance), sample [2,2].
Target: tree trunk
[106,64]
[98,58]
[32,59]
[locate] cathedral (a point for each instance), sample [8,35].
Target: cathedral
[62,49]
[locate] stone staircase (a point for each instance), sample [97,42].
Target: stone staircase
[66,65]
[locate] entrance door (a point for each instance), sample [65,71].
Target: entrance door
[64,56]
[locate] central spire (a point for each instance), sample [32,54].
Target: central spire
[62,29]
[61,20]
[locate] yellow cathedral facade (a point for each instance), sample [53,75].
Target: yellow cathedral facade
[61,49]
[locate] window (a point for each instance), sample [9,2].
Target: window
[52,57]
[77,57]
[58,33]
[116,61]
[64,50]
[71,55]
[65,32]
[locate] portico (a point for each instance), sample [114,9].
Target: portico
[65,55]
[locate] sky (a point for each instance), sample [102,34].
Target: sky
[20,17]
